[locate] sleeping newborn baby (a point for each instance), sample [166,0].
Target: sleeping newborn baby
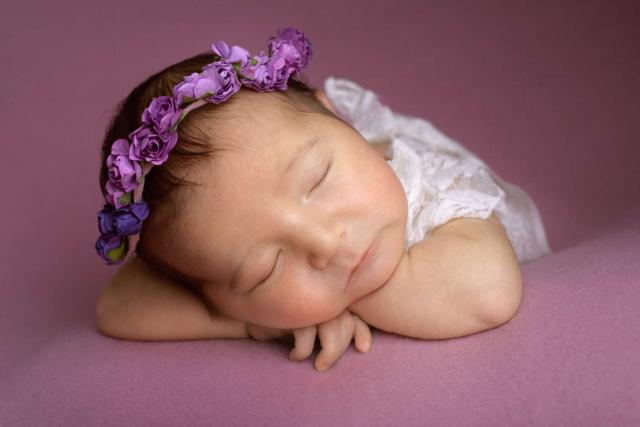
[305,213]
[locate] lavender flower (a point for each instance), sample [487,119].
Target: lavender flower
[162,114]
[112,248]
[279,69]
[195,86]
[125,221]
[289,38]
[149,146]
[226,78]
[255,74]
[122,171]
[231,55]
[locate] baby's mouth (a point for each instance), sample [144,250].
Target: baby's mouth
[364,257]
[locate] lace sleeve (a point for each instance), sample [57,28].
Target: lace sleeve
[442,178]
[441,186]
[361,108]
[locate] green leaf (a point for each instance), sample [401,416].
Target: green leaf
[254,61]
[125,199]
[116,253]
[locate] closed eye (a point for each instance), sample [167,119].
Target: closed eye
[270,273]
[323,177]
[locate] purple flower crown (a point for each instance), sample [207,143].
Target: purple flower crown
[131,159]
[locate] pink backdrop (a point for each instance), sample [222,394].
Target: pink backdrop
[546,92]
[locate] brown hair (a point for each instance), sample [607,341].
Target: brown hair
[163,187]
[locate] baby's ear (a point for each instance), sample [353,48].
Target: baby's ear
[322,97]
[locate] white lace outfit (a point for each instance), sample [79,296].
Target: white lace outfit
[442,179]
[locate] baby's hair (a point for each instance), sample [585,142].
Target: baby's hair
[163,188]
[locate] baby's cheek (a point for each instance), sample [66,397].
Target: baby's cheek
[297,307]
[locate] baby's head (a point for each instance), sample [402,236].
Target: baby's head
[267,184]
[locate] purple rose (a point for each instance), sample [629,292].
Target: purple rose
[123,172]
[256,75]
[288,38]
[258,78]
[105,220]
[125,221]
[195,86]
[185,87]
[112,248]
[150,146]
[162,114]
[128,220]
[279,69]
[261,58]
[231,55]
[227,79]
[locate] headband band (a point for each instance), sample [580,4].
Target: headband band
[149,145]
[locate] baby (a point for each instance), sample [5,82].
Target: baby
[274,217]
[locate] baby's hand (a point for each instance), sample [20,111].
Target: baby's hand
[335,336]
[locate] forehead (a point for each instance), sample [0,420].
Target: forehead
[257,143]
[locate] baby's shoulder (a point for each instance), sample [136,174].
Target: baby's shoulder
[382,149]
[474,228]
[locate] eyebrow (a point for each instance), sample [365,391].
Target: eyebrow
[306,147]
[311,142]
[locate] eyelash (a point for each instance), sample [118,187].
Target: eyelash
[275,264]
[323,177]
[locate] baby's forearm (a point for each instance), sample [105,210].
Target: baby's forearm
[142,304]
[445,287]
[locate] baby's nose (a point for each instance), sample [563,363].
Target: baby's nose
[319,262]
[323,246]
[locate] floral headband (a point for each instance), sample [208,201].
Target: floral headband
[131,159]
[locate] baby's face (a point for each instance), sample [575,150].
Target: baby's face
[284,218]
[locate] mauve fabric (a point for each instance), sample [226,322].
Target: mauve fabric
[546,93]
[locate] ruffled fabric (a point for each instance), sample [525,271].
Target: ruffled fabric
[441,178]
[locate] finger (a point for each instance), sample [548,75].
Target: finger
[335,337]
[363,338]
[305,338]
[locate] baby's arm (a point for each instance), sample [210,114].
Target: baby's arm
[464,278]
[140,303]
